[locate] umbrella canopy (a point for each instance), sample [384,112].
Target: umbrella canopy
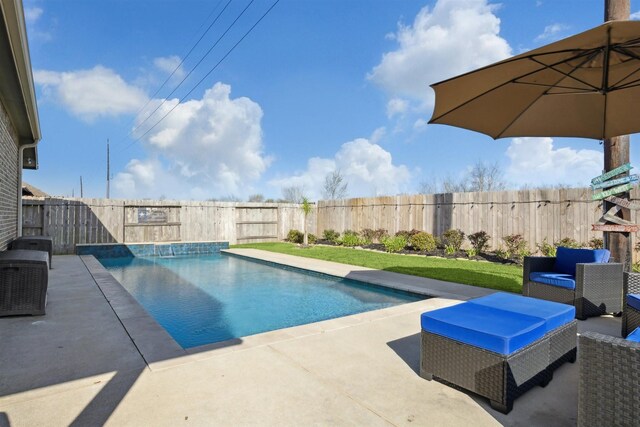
[587,85]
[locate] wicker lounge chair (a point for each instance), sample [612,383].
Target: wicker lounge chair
[24,277]
[497,346]
[594,288]
[609,383]
[34,243]
[631,310]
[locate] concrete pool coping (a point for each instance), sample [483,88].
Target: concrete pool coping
[403,282]
[159,350]
[77,366]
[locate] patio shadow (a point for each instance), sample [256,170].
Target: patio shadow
[98,411]
[408,349]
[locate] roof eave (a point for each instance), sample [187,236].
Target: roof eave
[17,90]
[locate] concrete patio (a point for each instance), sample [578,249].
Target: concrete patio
[96,359]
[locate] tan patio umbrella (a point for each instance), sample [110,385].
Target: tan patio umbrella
[587,85]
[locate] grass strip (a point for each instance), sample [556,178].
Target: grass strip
[500,277]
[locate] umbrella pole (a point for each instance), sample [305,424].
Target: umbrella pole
[616,153]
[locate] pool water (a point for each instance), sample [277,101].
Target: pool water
[209,298]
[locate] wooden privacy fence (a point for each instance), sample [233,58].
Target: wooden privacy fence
[535,214]
[71,221]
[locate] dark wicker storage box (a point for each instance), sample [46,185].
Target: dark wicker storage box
[24,277]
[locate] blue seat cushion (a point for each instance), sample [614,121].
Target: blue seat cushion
[634,301]
[561,280]
[495,330]
[567,258]
[635,335]
[554,314]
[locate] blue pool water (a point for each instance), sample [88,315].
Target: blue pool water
[209,298]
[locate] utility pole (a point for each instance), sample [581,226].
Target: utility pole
[108,168]
[616,153]
[81,192]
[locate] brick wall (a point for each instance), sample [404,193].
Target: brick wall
[8,179]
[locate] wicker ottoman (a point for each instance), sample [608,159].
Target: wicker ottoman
[34,243]
[497,353]
[24,277]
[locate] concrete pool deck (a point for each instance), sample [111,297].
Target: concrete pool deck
[81,365]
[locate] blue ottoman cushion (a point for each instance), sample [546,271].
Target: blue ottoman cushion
[567,258]
[560,280]
[635,335]
[554,314]
[496,330]
[634,301]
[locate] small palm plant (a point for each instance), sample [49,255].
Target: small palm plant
[306,207]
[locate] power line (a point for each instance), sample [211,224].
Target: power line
[208,73]
[193,68]
[187,55]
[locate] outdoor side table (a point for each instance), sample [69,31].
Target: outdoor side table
[34,243]
[24,277]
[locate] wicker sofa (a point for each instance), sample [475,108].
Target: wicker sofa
[631,310]
[609,383]
[594,288]
[24,278]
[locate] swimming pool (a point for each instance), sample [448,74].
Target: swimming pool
[209,298]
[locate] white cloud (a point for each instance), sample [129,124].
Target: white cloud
[536,161]
[204,148]
[552,32]
[635,16]
[93,93]
[366,167]
[455,37]
[378,134]
[168,64]
[32,14]
[397,106]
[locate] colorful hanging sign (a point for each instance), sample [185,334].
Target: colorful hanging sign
[615,227]
[617,171]
[612,182]
[615,190]
[623,202]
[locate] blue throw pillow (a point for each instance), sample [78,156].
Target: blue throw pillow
[567,258]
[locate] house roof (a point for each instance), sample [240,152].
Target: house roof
[30,190]
[17,92]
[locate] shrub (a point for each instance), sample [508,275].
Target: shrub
[453,239]
[449,250]
[407,234]
[501,253]
[367,235]
[423,242]
[330,235]
[378,235]
[568,242]
[472,252]
[295,236]
[479,241]
[351,238]
[546,248]
[394,244]
[596,243]
[312,239]
[516,246]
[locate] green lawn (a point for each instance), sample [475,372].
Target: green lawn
[484,274]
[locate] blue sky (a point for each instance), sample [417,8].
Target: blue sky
[318,85]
